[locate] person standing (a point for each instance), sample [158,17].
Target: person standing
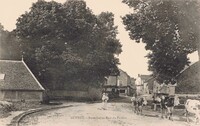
[163,106]
[133,101]
[105,99]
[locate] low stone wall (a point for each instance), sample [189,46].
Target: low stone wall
[64,93]
[92,94]
[189,95]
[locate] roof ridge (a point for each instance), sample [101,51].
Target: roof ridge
[187,67]
[32,75]
[16,61]
[145,74]
[124,72]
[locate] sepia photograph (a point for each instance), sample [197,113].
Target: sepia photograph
[99,62]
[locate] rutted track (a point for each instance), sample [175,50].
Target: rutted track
[117,114]
[16,120]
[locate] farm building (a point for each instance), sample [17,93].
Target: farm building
[124,83]
[188,81]
[150,83]
[163,88]
[141,84]
[155,87]
[121,84]
[18,83]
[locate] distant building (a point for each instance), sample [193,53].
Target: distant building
[112,81]
[133,83]
[141,84]
[110,86]
[121,84]
[158,88]
[150,84]
[17,82]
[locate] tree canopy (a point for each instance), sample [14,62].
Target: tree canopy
[170,30]
[63,43]
[9,45]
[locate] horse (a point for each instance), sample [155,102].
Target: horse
[192,106]
[139,103]
[167,106]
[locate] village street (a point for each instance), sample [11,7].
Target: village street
[59,59]
[83,114]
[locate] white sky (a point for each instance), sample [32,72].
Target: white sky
[132,58]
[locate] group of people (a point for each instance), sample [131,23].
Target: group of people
[166,104]
[192,106]
[138,103]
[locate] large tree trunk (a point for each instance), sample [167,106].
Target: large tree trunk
[199,56]
[199,51]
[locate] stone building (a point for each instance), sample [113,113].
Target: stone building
[121,84]
[141,84]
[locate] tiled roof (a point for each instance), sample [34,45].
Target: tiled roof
[188,81]
[121,71]
[145,77]
[17,76]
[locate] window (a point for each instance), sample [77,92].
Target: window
[122,91]
[2,76]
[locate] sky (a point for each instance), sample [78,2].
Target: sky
[132,59]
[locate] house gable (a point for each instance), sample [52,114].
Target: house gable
[124,79]
[144,78]
[188,81]
[18,76]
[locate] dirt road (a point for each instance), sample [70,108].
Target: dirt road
[116,114]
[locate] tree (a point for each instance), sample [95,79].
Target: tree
[166,67]
[170,30]
[9,45]
[64,43]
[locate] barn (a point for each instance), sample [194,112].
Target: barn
[18,83]
[189,80]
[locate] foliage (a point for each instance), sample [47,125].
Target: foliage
[63,43]
[170,30]
[9,45]
[6,107]
[166,67]
[94,94]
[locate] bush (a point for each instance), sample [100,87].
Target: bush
[94,94]
[19,105]
[6,107]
